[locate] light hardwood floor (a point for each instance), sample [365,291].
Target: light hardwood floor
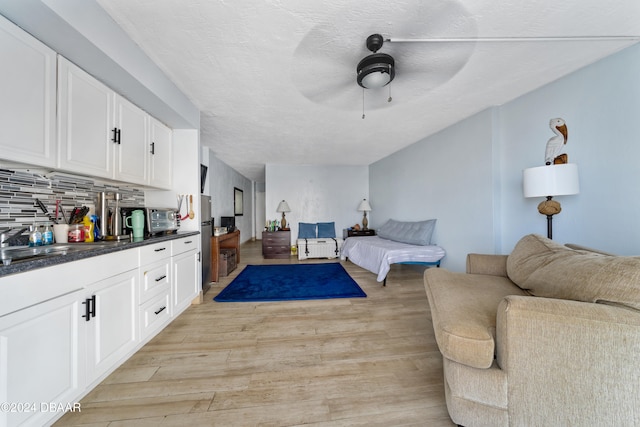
[343,362]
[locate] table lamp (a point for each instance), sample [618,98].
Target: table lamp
[549,181]
[283,207]
[365,207]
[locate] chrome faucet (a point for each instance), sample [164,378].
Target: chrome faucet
[9,235]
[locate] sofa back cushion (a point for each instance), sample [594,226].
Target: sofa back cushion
[547,269]
[413,233]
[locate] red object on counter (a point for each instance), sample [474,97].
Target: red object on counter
[76,233]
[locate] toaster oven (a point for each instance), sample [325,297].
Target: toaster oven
[162,220]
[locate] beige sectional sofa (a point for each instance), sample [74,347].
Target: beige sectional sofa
[546,336]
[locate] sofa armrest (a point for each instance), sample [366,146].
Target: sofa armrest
[571,362]
[493,265]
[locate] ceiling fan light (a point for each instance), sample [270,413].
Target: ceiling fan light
[376,71]
[375,79]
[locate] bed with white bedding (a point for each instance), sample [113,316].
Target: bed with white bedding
[400,243]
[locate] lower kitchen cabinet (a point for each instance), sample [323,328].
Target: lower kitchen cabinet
[155,288]
[186,273]
[154,314]
[59,337]
[110,313]
[42,361]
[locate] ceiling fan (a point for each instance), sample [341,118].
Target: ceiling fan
[331,67]
[378,69]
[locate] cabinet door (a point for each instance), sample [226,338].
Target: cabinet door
[186,280]
[41,363]
[111,328]
[160,168]
[28,100]
[85,122]
[131,148]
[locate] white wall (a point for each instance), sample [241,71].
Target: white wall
[469,176]
[317,194]
[448,176]
[222,179]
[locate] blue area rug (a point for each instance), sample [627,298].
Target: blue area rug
[283,282]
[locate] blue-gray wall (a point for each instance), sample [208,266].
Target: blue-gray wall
[448,176]
[221,181]
[469,176]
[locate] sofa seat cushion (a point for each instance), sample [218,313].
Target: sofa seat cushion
[463,311]
[547,269]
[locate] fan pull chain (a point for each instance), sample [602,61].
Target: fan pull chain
[390,99]
[362,103]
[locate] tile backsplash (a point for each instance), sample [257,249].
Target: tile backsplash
[19,190]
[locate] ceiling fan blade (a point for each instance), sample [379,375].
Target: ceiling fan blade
[325,61]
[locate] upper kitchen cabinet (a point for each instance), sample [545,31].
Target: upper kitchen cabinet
[160,169]
[100,133]
[131,149]
[85,122]
[28,100]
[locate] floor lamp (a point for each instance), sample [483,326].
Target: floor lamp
[550,181]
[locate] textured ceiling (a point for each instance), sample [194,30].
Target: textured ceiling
[275,80]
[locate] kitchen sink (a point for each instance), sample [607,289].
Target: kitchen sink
[18,253]
[22,253]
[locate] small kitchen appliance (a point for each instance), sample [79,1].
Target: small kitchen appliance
[162,221]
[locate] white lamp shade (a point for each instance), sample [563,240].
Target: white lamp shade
[283,207]
[551,180]
[364,206]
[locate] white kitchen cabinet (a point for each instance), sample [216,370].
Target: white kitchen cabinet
[131,150]
[49,352]
[28,100]
[100,133]
[160,154]
[42,361]
[154,314]
[186,272]
[155,288]
[86,127]
[110,311]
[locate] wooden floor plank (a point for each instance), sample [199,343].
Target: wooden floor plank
[343,362]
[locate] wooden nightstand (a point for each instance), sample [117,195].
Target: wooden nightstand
[276,244]
[353,233]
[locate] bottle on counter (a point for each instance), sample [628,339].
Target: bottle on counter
[35,236]
[47,235]
[96,231]
[88,229]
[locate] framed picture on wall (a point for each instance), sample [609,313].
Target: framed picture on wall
[237,201]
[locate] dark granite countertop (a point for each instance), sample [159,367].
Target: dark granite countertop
[99,248]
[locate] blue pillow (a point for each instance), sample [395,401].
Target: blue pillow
[326,230]
[413,233]
[306,230]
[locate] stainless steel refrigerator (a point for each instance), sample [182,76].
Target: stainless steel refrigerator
[206,225]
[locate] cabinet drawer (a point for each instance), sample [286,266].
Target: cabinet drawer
[155,252]
[183,245]
[281,249]
[153,314]
[154,278]
[275,240]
